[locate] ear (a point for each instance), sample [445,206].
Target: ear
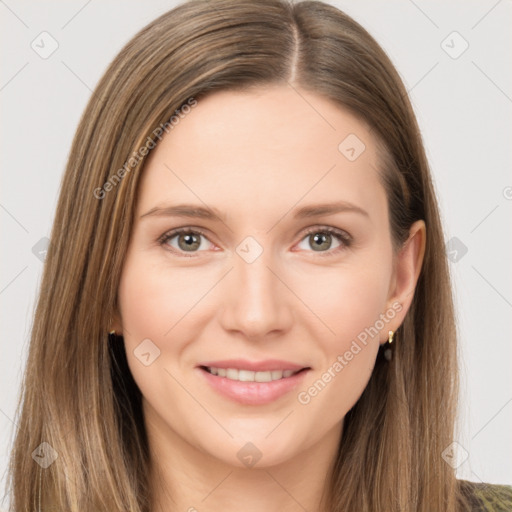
[407,268]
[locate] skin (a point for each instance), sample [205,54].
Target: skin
[257,157]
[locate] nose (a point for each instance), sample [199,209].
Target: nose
[256,302]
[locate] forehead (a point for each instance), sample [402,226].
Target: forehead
[255,148]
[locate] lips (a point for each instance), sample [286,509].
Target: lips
[250,382]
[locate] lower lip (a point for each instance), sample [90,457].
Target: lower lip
[253,393]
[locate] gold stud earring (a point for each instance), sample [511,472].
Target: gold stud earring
[388,353]
[112,331]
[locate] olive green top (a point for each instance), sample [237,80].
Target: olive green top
[488,497]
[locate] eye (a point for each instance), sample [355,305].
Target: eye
[186,240]
[324,240]
[321,240]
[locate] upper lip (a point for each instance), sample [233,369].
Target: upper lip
[255,366]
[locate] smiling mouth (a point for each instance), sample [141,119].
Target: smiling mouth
[251,376]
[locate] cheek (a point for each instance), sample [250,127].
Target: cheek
[351,303]
[156,299]
[347,301]
[168,306]
[159,303]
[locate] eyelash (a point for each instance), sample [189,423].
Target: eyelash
[344,238]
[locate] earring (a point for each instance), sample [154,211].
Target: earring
[388,353]
[112,332]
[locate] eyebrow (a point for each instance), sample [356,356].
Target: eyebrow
[209,213]
[184,210]
[316,210]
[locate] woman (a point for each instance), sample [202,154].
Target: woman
[246,301]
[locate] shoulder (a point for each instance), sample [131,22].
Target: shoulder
[487,497]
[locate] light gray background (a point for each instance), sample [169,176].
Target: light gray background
[464,108]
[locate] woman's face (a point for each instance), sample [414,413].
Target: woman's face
[261,247]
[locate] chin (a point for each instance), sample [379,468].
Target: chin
[254,450]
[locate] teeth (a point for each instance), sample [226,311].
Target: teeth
[232,374]
[243,375]
[250,376]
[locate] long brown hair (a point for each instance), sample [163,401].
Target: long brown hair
[78,395]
